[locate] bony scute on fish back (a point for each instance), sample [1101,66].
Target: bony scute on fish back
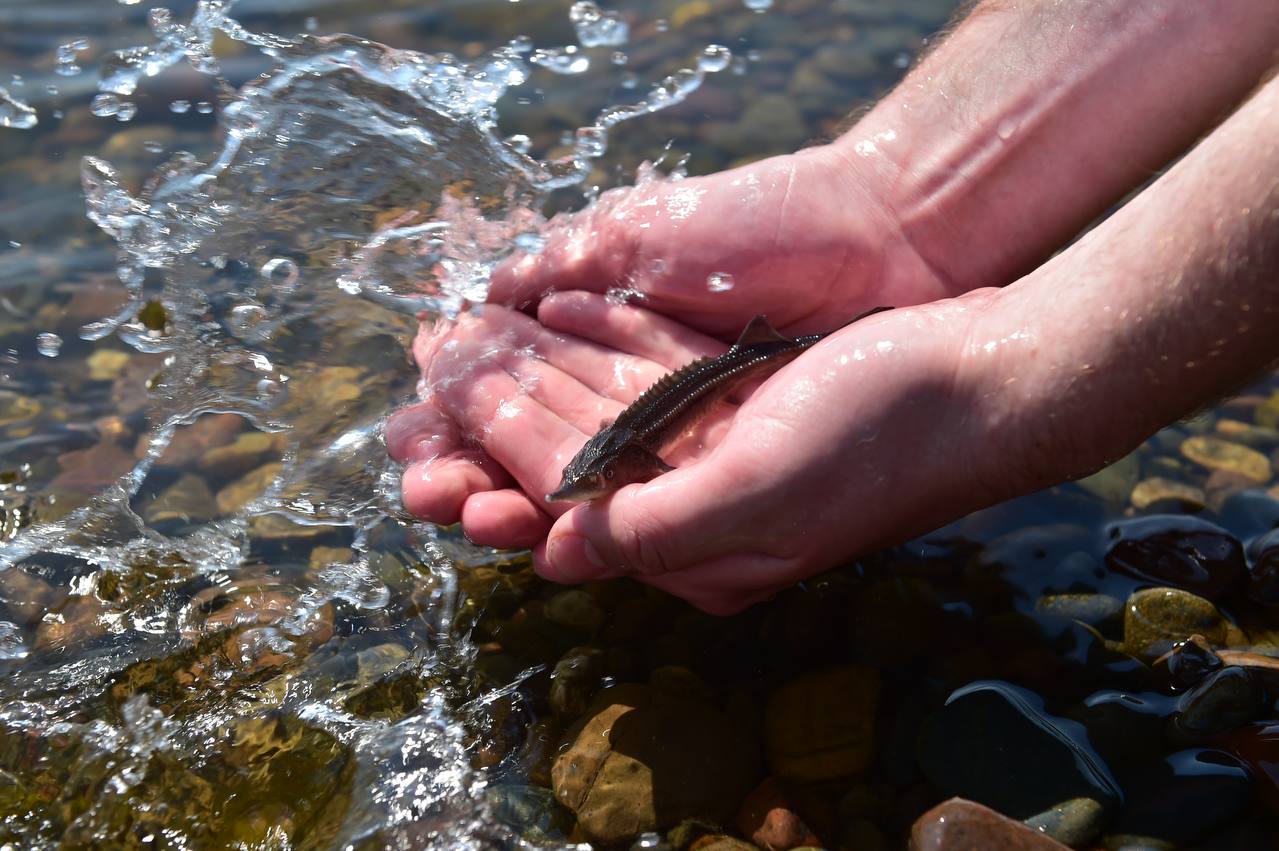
[624,451]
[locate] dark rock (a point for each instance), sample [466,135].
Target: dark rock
[1263,569]
[821,726]
[1184,796]
[1101,611]
[993,742]
[959,825]
[1125,727]
[1224,700]
[1190,661]
[1180,550]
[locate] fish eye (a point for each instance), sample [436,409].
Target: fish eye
[609,472]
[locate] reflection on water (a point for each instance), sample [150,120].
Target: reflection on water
[218,627]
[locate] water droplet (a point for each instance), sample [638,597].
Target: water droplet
[595,27]
[105,105]
[719,282]
[1006,128]
[281,272]
[48,344]
[714,58]
[758,5]
[179,106]
[564,60]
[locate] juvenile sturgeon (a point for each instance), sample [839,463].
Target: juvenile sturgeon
[625,450]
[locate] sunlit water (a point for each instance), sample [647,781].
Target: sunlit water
[218,625]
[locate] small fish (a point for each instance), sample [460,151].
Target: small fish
[624,451]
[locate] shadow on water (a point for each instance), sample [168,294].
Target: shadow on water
[219,629]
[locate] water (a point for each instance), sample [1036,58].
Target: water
[217,625]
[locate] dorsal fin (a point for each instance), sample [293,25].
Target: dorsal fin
[758,330]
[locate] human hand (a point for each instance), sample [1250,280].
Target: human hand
[803,239]
[872,435]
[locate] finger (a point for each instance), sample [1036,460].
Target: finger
[627,328]
[503,518]
[580,405]
[685,517]
[420,432]
[436,489]
[721,602]
[589,250]
[521,434]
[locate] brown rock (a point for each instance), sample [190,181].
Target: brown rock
[639,760]
[769,819]
[236,495]
[1217,454]
[960,825]
[822,725]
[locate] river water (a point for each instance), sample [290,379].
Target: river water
[217,224]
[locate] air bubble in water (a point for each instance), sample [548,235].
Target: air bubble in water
[595,27]
[179,106]
[714,58]
[619,57]
[153,147]
[661,25]
[719,282]
[48,344]
[204,107]
[591,141]
[758,5]
[311,24]
[281,272]
[14,113]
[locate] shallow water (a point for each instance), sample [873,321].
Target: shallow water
[218,628]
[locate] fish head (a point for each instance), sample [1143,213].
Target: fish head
[610,460]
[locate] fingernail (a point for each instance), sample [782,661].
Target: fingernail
[573,558]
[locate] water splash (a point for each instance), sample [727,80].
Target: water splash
[14,113]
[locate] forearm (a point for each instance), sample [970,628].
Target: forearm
[1171,303]
[1035,115]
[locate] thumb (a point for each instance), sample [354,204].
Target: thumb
[678,520]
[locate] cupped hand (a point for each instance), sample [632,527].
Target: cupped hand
[801,238]
[876,433]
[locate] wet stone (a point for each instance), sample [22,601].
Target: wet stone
[1075,822]
[1128,842]
[1157,618]
[1115,482]
[1224,700]
[1125,727]
[1190,661]
[821,726]
[575,609]
[248,487]
[993,743]
[242,454]
[106,364]
[1175,549]
[574,680]
[1100,611]
[769,818]
[639,761]
[1217,454]
[961,825]
[187,500]
[1156,491]
[1258,437]
[1263,569]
